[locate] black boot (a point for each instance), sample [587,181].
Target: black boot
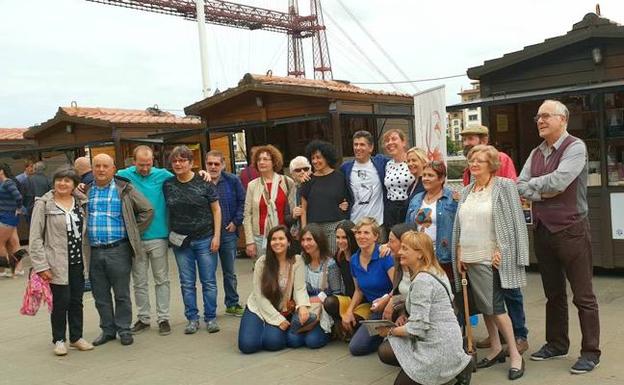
[463,378]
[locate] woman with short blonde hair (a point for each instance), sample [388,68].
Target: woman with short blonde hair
[372,278]
[490,153]
[416,161]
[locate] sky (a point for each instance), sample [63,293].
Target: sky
[56,52]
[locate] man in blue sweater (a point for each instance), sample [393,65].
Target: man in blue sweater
[365,178]
[232,201]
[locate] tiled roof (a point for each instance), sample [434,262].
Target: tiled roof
[12,134]
[330,85]
[105,117]
[329,89]
[118,115]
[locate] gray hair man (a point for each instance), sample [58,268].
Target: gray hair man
[554,177]
[232,202]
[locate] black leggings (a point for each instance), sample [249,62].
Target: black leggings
[386,355]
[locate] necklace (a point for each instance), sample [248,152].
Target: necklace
[478,188]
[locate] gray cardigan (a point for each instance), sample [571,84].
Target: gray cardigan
[512,237]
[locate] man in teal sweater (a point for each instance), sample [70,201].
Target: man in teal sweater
[149,181]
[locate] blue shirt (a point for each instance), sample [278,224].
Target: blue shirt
[151,186]
[374,281]
[231,199]
[105,220]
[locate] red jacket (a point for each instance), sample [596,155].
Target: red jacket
[506,169]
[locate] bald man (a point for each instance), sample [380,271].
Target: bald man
[83,168]
[117,215]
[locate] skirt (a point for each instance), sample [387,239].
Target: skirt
[486,289]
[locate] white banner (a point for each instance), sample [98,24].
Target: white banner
[430,122]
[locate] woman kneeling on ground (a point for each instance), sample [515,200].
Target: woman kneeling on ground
[428,347]
[322,280]
[279,291]
[372,278]
[57,230]
[395,308]
[336,305]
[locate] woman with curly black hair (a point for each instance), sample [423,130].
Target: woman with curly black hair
[326,191]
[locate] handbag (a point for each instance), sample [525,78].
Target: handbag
[316,306]
[289,303]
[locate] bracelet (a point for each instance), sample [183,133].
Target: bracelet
[390,332]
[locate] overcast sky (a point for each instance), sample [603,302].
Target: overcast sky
[56,52]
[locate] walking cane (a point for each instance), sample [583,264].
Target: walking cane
[470,348]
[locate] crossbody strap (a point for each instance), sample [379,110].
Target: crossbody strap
[289,285]
[324,276]
[441,283]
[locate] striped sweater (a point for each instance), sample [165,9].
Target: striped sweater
[510,227]
[10,197]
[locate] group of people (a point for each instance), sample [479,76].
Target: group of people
[377,238]
[116,226]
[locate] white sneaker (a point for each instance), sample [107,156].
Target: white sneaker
[81,345]
[59,348]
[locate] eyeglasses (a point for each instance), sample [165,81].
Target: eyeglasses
[179,160]
[306,169]
[544,116]
[215,164]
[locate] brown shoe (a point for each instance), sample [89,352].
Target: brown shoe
[484,343]
[521,344]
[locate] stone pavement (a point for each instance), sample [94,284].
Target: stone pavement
[26,351]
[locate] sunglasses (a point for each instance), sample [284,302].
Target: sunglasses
[306,169]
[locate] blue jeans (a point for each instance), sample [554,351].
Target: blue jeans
[255,335]
[198,257]
[227,255]
[362,343]
[515,309]
[314,339]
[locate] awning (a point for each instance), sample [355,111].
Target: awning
[504,98]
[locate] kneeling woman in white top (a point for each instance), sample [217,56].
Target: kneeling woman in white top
[323,279]
[428,347]
[279,290]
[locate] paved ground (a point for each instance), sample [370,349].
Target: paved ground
[26,352]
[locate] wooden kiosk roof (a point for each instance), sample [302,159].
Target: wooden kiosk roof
[592,26]
[326,89]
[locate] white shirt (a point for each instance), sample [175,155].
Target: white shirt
[426,219]
[367,192]
[477,238]
[398,179]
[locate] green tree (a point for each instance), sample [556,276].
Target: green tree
[452,147]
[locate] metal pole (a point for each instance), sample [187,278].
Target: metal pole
[203,50]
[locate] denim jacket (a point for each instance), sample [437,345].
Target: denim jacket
[446,208]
